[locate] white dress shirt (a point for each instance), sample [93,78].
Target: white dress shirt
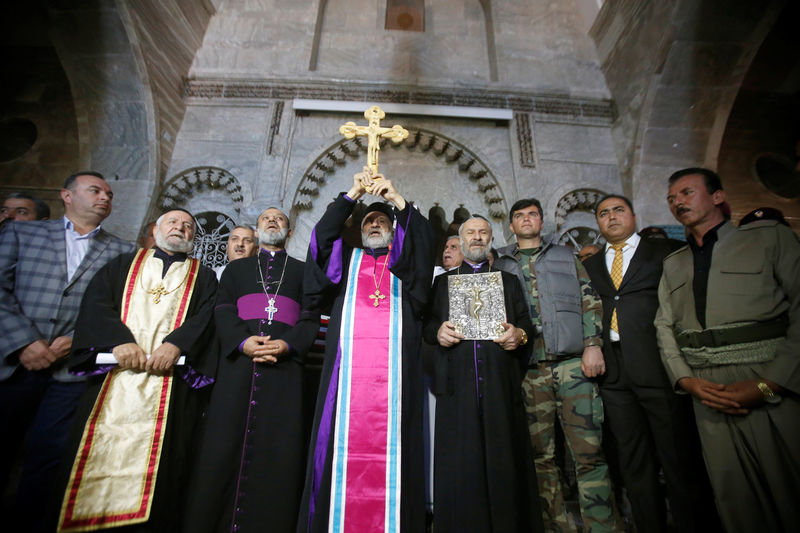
[77,246]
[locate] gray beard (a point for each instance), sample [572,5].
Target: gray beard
[184,247]
[273,237]
[477,256]
[382,241]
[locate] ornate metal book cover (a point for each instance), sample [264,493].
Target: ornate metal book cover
[477,305]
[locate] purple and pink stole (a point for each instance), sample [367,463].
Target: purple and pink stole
[365,481]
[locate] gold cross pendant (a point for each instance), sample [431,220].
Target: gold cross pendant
[375,297]
[157,293]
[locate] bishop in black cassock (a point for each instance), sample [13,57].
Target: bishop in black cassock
[484,478]
[366,468]
[249,473]
[155,303]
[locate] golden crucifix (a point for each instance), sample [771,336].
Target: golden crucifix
[157,293]
[374,133]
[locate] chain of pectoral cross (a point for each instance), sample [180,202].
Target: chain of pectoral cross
[271,308]
[376,296]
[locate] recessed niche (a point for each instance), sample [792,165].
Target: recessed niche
[17,136]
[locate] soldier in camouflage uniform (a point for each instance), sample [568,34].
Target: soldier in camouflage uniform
[557,386]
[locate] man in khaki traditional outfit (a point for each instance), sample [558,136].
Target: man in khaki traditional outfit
[148,309]
[729,333]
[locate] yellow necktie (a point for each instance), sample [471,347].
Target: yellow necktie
[616,278]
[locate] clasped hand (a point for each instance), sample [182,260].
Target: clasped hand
[39,355]
[264,349]
[376,185]
[733,399]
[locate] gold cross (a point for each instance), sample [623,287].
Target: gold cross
[374,132]
[157,293]
[376,296]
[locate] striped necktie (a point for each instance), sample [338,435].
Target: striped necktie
[616,278]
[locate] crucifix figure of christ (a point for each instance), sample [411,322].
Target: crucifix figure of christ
[374,133]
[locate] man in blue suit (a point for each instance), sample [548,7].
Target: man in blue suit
[45,267]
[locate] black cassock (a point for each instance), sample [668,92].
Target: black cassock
[249,472]
[99,328]
[326,271]
[484,477]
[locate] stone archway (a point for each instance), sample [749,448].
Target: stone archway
[197,181]
[575,221]
[437,170]
[418,139]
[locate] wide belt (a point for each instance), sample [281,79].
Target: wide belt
[738,334]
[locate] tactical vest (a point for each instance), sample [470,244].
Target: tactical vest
[560,302]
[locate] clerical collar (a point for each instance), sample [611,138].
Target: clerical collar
[474,267]
[177,257]
[270,252]
[376,252]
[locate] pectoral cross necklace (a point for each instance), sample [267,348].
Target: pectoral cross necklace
[376,296]
[160,290]
[271,308]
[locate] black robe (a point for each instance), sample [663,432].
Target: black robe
[98,329]
[484,477]
[252,456]
[414,266]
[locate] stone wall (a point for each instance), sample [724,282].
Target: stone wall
[539,45]
[674,70]
[299,162]
[256,58]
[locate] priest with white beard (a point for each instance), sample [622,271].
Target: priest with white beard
[366,464]
[139,417]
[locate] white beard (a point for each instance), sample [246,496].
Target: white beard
[182,246]
[377,241]
[273,237]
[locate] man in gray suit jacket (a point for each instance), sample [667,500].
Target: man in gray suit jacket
[44,269]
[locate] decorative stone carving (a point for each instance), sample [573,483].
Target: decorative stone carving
[197,179]
[275,124]
[570,109]
[577,200]
[525,139]
[420,140]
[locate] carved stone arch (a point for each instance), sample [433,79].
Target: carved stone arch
[421,140]
[575,220]
[191,182]
[577,200]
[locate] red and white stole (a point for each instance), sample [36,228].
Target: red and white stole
[365,484]
[114,474]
